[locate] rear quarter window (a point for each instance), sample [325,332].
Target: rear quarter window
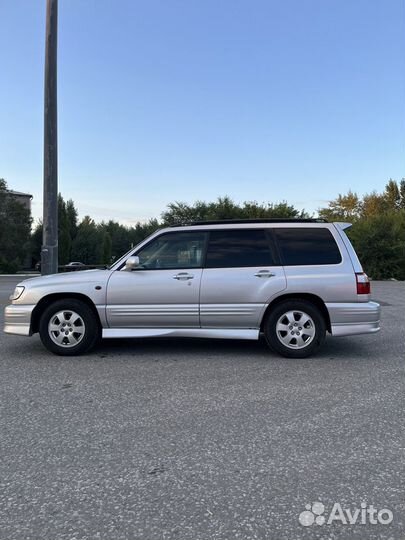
[307,246]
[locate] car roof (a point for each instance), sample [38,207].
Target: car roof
[249,221]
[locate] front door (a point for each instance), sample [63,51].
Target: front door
[163,291]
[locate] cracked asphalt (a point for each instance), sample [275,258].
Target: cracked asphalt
[202,440]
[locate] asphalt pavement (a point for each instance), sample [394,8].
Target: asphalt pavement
[204,439]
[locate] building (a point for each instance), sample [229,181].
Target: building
[23,198]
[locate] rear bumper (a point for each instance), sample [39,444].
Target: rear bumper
[354,318]
[17,319]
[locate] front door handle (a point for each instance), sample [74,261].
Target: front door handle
[183,276]
[264,273]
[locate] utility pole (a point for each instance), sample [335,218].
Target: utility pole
[49,252]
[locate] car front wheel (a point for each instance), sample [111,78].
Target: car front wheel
[295,328]
[69,327]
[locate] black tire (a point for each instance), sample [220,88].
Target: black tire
[289,340]
[82,334]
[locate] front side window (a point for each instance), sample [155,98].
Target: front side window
[173,250]
[238,248]
[307,246]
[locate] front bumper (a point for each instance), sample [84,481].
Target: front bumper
[17,319]
[348,319]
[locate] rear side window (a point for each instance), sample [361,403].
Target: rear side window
[307,246]
[238,248]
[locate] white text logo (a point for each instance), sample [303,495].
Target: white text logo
[314,514]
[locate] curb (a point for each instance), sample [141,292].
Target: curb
[19,275]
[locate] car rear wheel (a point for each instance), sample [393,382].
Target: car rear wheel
[295,328]
[69,327]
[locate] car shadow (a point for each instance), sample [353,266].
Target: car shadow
[183,348]
[196,350]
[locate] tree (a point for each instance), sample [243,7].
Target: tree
[15,227]
[181,213]
[107,245]
[392,195]
[71,215]
[225,208]
[391,200]
[119,234]
[380,244]
[373,204]
[402,193]
[36,242]
[343,208]
[67,226]
[142,231]
[87,245]
[64,238]
[252,209]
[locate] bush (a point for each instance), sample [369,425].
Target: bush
[380,244]
[9,267]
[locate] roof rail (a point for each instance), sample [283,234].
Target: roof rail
[247,221]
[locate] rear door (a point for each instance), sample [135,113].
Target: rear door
[240,277]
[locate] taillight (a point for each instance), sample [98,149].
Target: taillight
[363,283]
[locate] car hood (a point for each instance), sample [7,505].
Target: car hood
[71,278]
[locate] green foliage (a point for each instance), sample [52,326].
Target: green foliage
[107,249]
[120,237]
[373,204]
[87,247]
[392,195]
[15,227]
[225,208]
[380,244]
[67,229]
[64,235]
[402,193]
[36,242]
[142,231]
[343,208]
[9,267]
[72,218]
[378,232]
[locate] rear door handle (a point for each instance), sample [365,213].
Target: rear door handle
[183,276]
[264,274]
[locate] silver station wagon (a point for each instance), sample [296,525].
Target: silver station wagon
[291,280]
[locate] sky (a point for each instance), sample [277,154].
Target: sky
[168,100]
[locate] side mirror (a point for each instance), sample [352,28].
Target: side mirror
[131,263]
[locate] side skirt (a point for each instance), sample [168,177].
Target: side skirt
[219,333]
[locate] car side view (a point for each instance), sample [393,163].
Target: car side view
[291,280]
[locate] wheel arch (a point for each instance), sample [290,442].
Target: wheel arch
[313,298]
[50,298]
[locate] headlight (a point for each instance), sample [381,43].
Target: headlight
[17,292]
